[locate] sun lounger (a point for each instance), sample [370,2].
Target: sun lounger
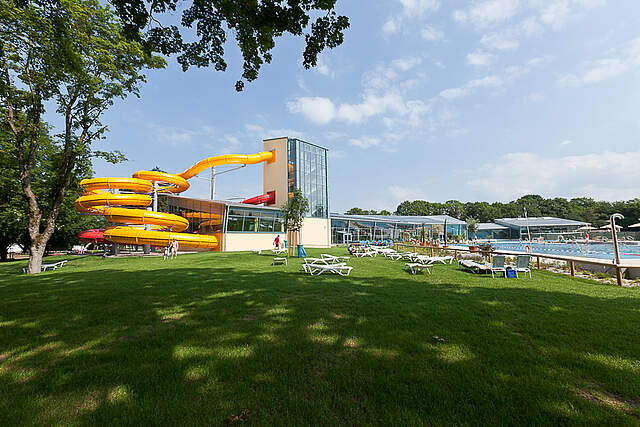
[334,259]
[364,254]
[317,269]
[279,251]
[277,261]
[394,256]
[415,267]
[54,266]
[433,259]
[474,266]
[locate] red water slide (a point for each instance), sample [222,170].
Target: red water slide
[268,199]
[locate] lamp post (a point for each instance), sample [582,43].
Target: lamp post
[614,235]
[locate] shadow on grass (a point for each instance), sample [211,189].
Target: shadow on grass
[196,345]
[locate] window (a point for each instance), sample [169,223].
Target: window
[247,220]
[234,223]
[265,224]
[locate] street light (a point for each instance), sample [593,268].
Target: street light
[614,234]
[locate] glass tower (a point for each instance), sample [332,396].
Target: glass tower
[307,170]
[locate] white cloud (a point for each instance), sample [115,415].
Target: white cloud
[488,81]
[488,12]
[318,109]
[414,8]
[479,59]
[431,33]
[176,136]
[411,9]
[391,25]
[499,41]
[401,193]
[453,93]
[596,72]
[604,176]
[566,142]
[530,27]
[372,105]
[364,142]
[323,68]
[336,154]
[405,64]
[383,95]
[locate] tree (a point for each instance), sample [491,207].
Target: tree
[13,217]
[71,54]
[454,208]
[255,25]
[293,213]
[356,211]
[472,225]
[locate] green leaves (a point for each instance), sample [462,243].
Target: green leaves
[254,24]
[295,210]
[113,157]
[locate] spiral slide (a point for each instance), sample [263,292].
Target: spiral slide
[98,200]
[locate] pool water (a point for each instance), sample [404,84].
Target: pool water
[590,250]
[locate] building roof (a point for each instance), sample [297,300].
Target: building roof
[545,221]
[225,202]
[483,226]
[429,220]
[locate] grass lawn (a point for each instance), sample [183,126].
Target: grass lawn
[211,336]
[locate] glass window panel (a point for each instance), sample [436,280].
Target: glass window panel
[250,224]
[234,223]
[265,224]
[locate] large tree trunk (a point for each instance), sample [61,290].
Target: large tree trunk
[3,251]
[36,252]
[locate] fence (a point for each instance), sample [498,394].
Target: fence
[571,261]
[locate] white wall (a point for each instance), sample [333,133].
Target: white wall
[316,232]
[249,241]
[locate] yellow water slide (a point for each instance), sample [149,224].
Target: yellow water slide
[120,208]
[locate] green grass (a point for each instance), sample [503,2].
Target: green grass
[198,340]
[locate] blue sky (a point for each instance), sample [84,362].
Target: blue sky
[467,100]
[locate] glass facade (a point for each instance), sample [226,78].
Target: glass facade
[205,217]
[254,220]
[346,229]
[307,170]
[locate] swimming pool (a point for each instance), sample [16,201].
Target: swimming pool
[590,250]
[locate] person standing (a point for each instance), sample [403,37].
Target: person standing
[276,242]
[174,248]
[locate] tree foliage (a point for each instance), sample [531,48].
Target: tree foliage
[295,210]
[254,24]
[72,55]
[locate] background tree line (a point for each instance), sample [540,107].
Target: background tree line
[579,209]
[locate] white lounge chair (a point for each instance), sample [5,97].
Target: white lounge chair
[497,266]
[522,265]
[364,254]
[54,266]
[277,261]
[334,259]
[317,269]
[279,251]
[434,259]
[415,267]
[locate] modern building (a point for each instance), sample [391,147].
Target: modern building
[549,228]
[354,228]
[241,227]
